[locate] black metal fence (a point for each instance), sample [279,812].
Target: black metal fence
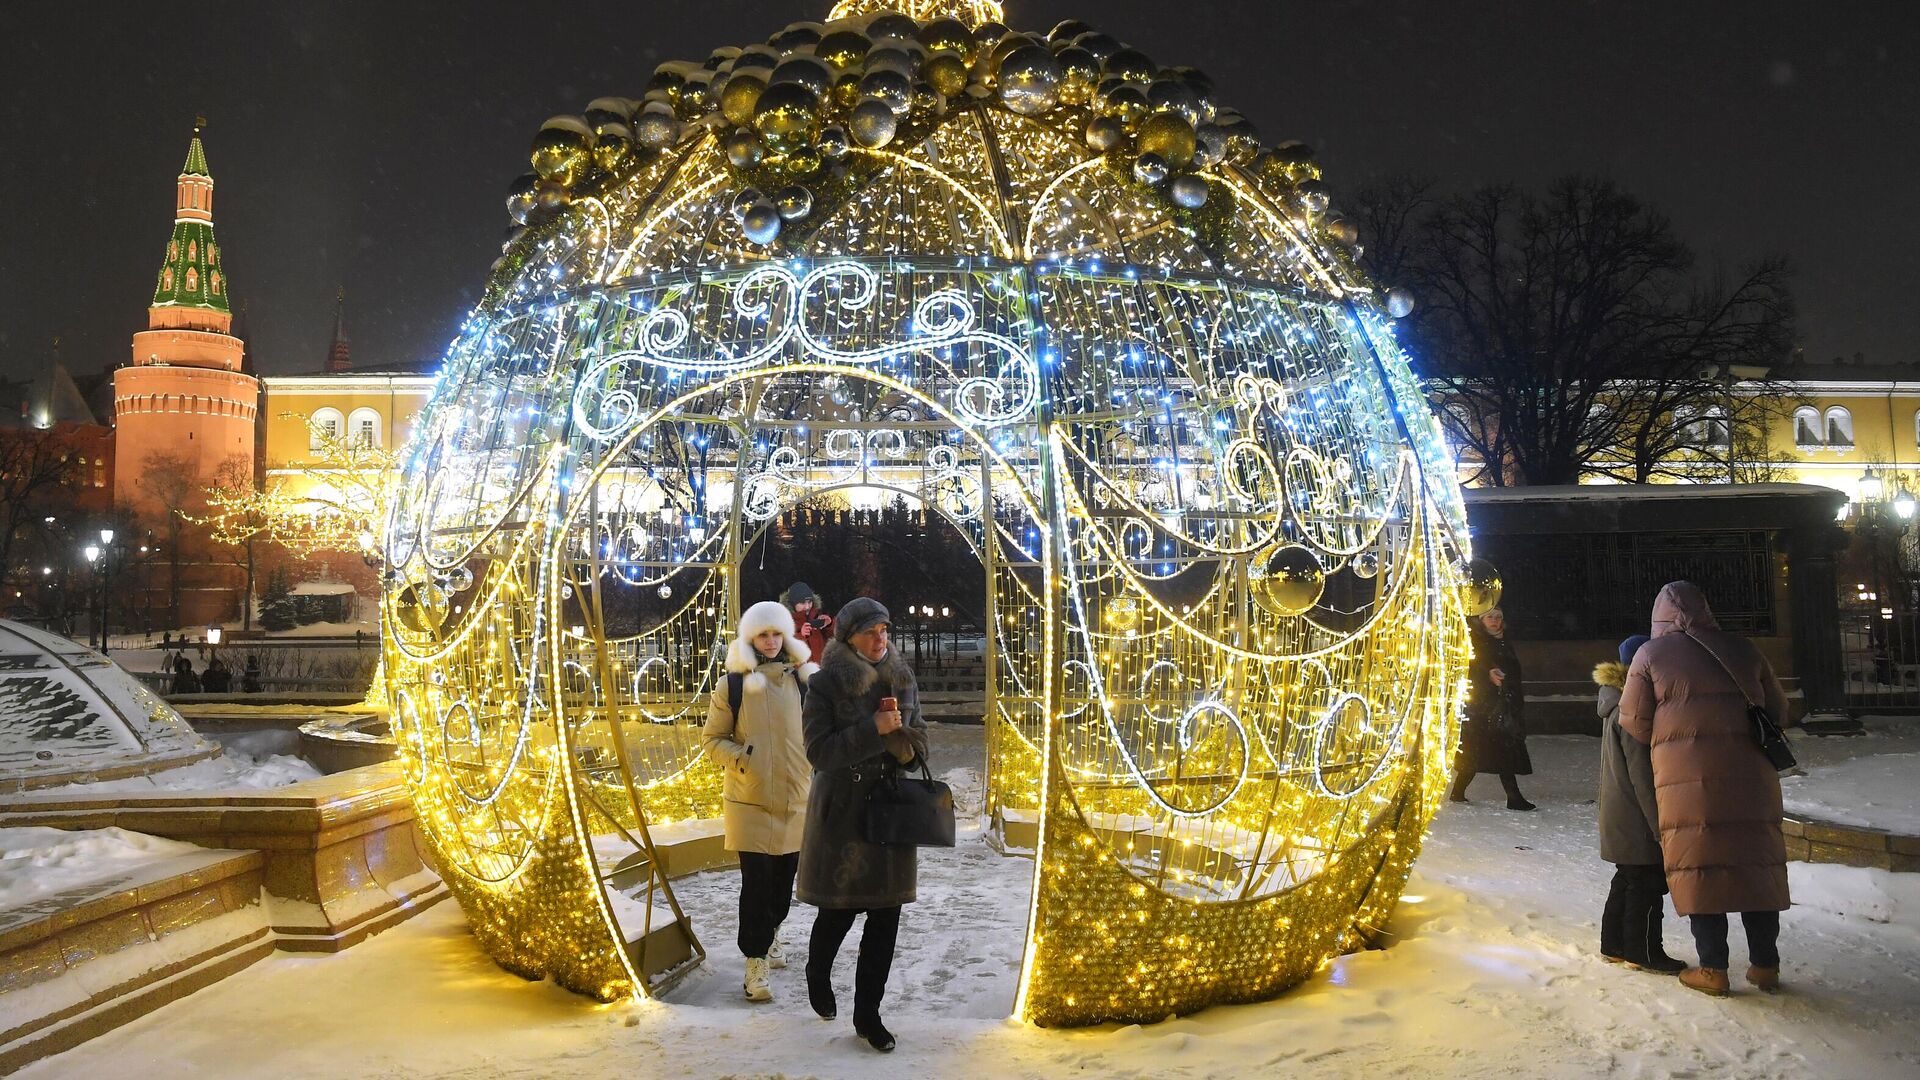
[1560,587]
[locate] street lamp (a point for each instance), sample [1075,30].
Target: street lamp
[93,562]
[1870,485]
[106,536]
[1904,503]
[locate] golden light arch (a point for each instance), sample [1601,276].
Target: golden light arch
[1221,538]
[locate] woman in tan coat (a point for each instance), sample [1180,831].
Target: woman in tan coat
[753,734]
[1717,795]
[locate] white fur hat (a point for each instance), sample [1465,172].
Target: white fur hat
[743,659]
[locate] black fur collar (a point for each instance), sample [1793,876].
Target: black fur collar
[853,676]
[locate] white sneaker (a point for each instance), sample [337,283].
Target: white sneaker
[756,985]
[776,954]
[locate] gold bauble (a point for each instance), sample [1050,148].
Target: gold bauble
[947,73]
[843,50]
[1169,135]
[560,150]
[612,151]
[1479,588]
[1287,580]
[785,114]
[1123,614]
[740,96]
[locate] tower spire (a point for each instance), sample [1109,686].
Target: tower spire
[337,359]
[192,290]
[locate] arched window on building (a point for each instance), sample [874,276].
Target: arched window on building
[1839,428]
[363,427]
[1709,429]
[327,426]
[1807,427]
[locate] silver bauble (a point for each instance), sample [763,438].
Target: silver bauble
[761,223]
[1189,192]
[1210,145]
[1104,133]
[833,142]
[891,87]
[1366,565]
[663,591]
[873,123]
[1479,588]
[1029,80]
[1151,168]
[793,202]
[1314,196]
[809,72]
[744,200]
[894,59]
[1400,303]
[744,149]
[1287,581]
[1168,95]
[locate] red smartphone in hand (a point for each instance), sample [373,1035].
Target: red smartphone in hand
[889,704]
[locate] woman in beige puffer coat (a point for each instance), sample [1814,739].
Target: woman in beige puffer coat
[1717,795]
[763,757]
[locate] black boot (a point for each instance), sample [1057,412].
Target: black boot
[1611,923]
[1655,955]
[871,1029]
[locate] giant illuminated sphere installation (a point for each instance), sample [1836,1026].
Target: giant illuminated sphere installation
[1059,295]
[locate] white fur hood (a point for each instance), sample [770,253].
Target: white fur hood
[742,659]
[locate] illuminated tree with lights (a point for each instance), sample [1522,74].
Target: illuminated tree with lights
[1041,286]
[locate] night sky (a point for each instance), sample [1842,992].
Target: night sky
[370,144]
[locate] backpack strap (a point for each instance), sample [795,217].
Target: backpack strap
[736,685]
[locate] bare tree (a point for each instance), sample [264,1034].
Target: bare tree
[33,471]
[1566,332]
[173,487]
[239,522]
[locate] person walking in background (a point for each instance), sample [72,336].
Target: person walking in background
[1494,737]
[1717,795]
[862,722]
[753,734]
[813,626]
[1632,921]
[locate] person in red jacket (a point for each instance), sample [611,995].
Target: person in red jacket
[810,624]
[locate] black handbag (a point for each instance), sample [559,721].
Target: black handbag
[1766,734]
[915,811]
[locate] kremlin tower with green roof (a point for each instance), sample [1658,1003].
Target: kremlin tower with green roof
[191,277]
[186,399]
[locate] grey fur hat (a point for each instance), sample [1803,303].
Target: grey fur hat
[858,614]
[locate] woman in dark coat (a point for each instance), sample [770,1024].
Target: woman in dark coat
[1632,922]
[1494,737]
[1718,796]
[852,743]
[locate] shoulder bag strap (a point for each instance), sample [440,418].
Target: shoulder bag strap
[1737,684]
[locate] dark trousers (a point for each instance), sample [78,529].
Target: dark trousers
[1507,780]
[1763,938]
[1631,922]
[766,893]
[830,928]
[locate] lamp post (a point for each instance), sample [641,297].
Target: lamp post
[93,564]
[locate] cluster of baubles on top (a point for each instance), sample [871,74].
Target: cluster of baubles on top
[791,113]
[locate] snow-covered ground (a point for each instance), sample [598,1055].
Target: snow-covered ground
[1493,975]
[1868,781]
